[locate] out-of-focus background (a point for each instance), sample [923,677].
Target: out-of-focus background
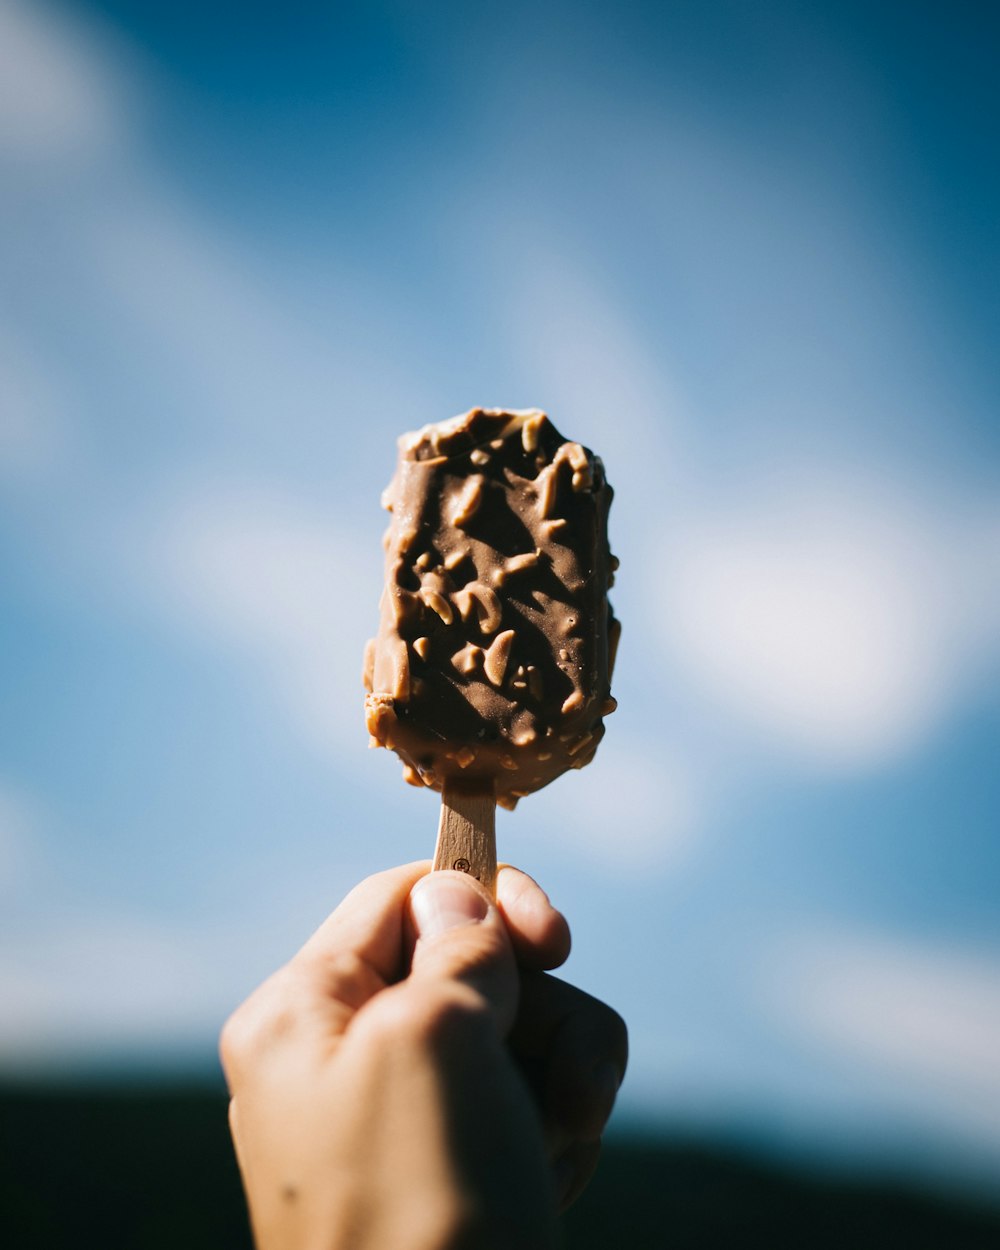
[748,253]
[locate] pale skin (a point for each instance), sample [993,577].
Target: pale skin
[413,1079]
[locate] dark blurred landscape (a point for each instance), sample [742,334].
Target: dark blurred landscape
[151,1167]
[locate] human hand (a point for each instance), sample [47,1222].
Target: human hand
[414,1078]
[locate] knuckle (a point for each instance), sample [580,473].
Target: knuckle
[349,978]
[267,1016]
[230,1044]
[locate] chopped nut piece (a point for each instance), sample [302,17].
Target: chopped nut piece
[515,565]
[454,558]
[545,485]
[486,603]
[468,659]
[437,603]
[555,529]
[529,431]
[583,475]
[495,660]
[572,703]
[467,502]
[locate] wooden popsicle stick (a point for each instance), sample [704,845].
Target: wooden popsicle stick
[467,833]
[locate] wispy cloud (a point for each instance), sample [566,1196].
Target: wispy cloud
[831,616]
[251,569]
[924,1018]
[115,244]
[582,350]
[82,979]
[60,98]
[104,980]
[253,360]
[841,621]
[633,810]
[79,982]
[285,584]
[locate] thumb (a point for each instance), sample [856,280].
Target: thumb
[461,937]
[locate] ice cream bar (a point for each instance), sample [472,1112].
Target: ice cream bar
[491,669]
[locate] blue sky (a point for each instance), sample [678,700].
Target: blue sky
[747,254]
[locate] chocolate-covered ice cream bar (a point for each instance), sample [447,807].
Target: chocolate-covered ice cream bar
[492,664]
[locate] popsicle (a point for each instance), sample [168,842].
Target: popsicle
[490,672]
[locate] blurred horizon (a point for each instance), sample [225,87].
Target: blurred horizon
[749,256]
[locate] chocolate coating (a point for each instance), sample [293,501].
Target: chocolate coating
[496,641]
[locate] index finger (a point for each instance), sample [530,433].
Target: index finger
[538,931]
[367,927]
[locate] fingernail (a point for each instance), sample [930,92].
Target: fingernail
[439,902]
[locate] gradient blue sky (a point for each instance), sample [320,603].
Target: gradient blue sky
[748,254]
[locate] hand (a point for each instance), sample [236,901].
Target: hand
[414,1078]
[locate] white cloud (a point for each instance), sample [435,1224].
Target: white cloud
[82,981]
[80,978]
[837,626]
[832,616]
[924,1019]
[60,97]
[161,273]
[208,310]
[284,583]
[628,811]
[72,978]
[577,341]
[580,354]
[105,981]
[838,621]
